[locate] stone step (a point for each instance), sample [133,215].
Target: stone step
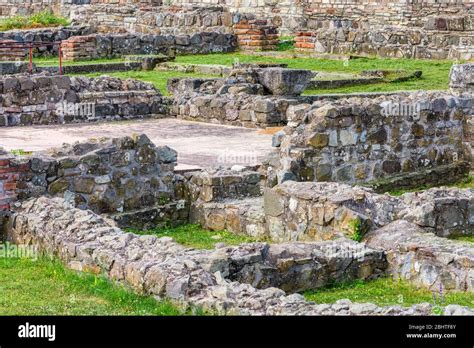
[174,214]
[240,216]
[425,259]
[215,185]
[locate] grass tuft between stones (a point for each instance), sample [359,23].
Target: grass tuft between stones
[196,237]
[387,292]
[46,287]
[469,239]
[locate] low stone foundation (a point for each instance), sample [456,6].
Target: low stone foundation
[218,184]
[47,35]
[52,99]
[321,211]
[389,41]
[243,216]
[365,140]
[154,19]
[160,267]
[11,68]
[424,259]
[129,179]
[115,45]
[235,110]
[227,199]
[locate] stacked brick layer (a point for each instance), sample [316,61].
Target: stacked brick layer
[79,48]
[10,50]
[11,172]
[305,40]
[256,35]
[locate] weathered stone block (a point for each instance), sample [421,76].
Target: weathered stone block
[285,81]
[424,259]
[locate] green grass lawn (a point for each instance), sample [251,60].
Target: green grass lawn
[158,78]
[38,20]
[45,287]
[196,237]
[469,239]
[386,292]
[435,72]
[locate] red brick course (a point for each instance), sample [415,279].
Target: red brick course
[256,35]
[305,41]
[11,174]
[79,47]
[9,54]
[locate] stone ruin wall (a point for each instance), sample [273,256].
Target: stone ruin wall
[290,15]
[422,222]
[384,12]
[251,96]
[116,45]
[295,15]
[119,45]
[462,81]
[120,177]
[369,140]
[24,7]
[130,179]
[169,20]
[250,279]
[292,212]
[27,7]
[407,28]
[53,99]
[48,35]
[233,280]
[411,229]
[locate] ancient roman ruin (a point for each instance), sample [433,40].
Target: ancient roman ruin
[316,196]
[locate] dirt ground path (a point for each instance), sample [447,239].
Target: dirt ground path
[199,145]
